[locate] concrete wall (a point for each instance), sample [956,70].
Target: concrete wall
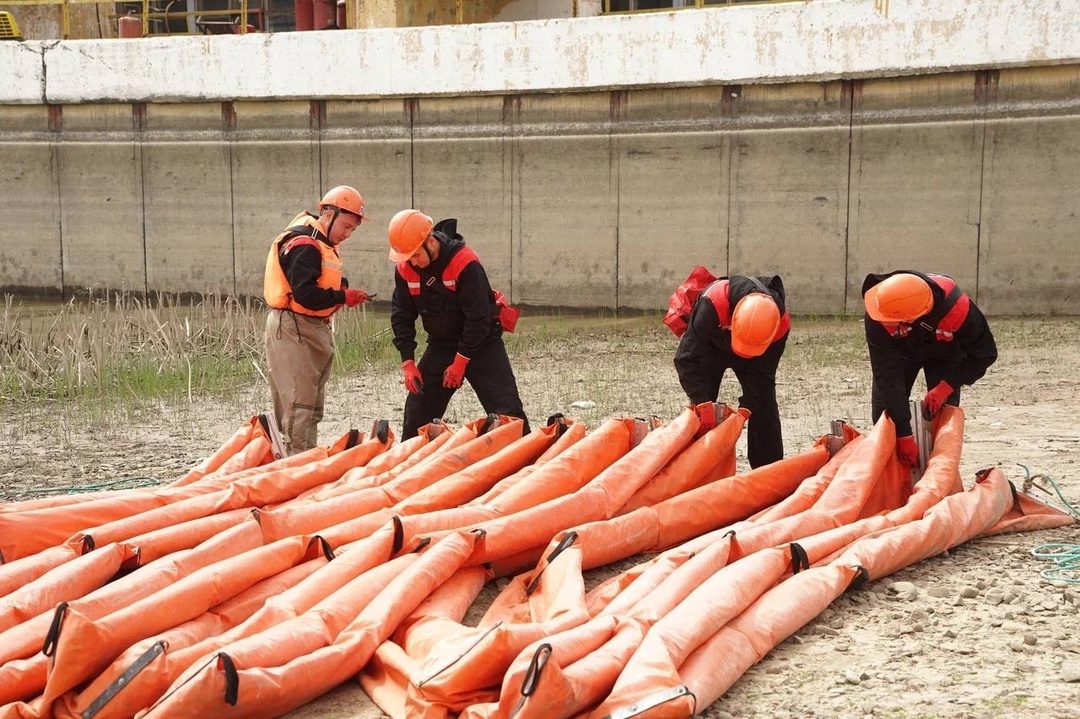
[738,44]
[591,199]
[591,161]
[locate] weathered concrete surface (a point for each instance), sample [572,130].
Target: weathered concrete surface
[600,199]
[566,201]
[461,167]
[101,198]
[744,44]
[1029,253]
[366,144]
[672,162]
[187,205]
[30,244]
[275,175]
[789,187]
[915,174]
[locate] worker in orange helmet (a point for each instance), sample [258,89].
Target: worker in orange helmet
[921,322]
[304,286]
[739,323]
[440,279]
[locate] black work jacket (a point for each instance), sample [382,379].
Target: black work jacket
[466,317]
[962,360]
[705,348]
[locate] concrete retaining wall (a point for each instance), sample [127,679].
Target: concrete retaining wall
[591,161]
[585,199]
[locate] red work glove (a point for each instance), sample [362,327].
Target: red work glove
[414,381]
[455,373]
[355,297]
[935,399]
[907,451]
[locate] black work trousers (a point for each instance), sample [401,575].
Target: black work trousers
[757,377]
[488,372]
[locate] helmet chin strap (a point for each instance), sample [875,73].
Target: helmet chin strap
[330,227]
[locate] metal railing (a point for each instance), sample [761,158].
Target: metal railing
[147,14]
[617,7]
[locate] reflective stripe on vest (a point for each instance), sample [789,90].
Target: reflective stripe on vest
[276,289]
[462,259]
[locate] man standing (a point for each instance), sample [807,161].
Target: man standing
[304,287]
[921,322]
[440,279]
[739,323]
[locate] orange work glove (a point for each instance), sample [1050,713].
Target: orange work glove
[355,297]
[935,399]
[907,451]
[455,373]
[414,381]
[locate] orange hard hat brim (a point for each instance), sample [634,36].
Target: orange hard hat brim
[748,351]
[400,256]
[870,300]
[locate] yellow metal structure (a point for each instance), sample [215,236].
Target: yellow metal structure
[9,29]
[147,14]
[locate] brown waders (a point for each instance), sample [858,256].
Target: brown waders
[299,355]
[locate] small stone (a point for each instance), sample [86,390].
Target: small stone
[1030,639]
[939,592]
[949,633]
[851,677]
[1070,672]
[969,592]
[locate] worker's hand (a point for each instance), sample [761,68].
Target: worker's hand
[414,381]
[455,373]
[935,399]
[907,451]
[355,297]
[706,412]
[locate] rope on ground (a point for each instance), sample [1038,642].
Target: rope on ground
[119,483]
[1031,482]
[1066,557]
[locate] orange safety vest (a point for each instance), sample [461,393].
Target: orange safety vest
[276,289]
[507,315]
[717,293]
[943,321]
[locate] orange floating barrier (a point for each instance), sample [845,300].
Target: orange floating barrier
[23,571]
[66,582]
[710,457]
[84,645]
[565,473]
[240,439]
[103,698]
[311,516]
[273,674]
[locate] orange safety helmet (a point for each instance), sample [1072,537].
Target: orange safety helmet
[903,297]
[754,325]
[344,199]
[408,230]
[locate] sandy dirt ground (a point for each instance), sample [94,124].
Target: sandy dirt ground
[975,632]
